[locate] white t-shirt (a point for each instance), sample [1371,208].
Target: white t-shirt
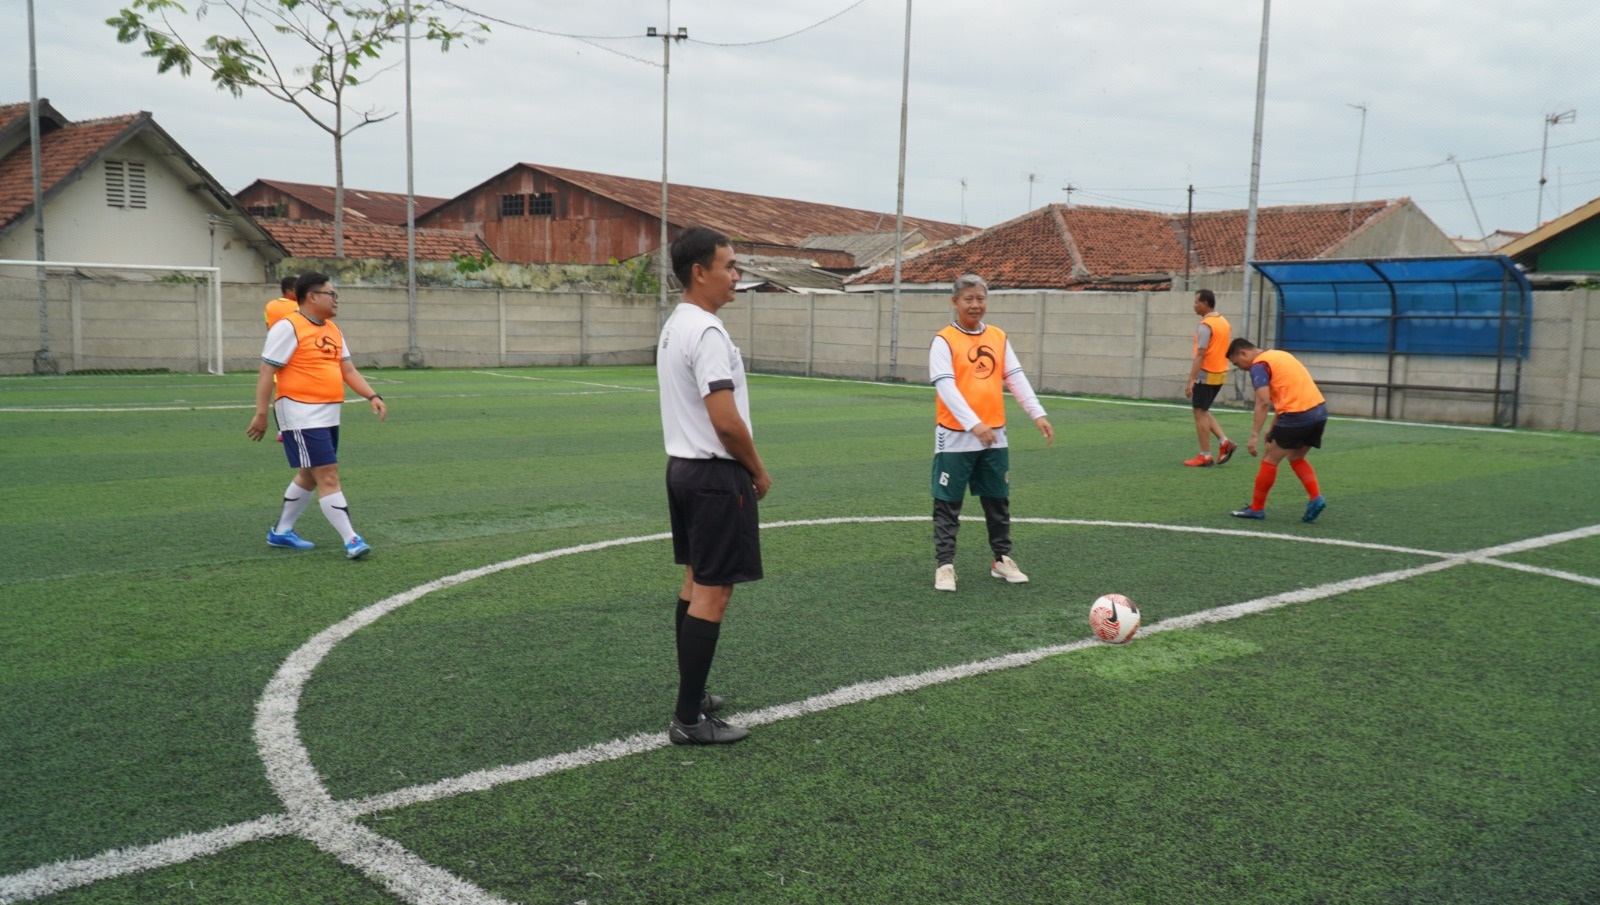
[294,416]
[694,358]
[942,372]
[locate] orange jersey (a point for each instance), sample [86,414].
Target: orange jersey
[980,367]
[1291,386]
[1216,359]
[314,372]
[278,309]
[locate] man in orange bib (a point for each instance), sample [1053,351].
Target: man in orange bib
[1207,373]
[305,366]
[1282,382]
[284,305]
[969,364]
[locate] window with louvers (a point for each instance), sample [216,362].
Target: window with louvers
[542,204]
[125,184]
[512,205]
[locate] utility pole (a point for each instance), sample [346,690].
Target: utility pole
[1032,178]
[663,255]
[900,206]
[1069,188]
[1255,165]
[1355,190]
[1188,239]
[963,202]
[42,362]
[1551,119]
[413,356]
[1474,207]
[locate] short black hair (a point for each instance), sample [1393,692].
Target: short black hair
[696,245]
[1240,343]
[1207,296]
[308,282]
[286,285]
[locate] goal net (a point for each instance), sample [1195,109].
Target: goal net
[60,317]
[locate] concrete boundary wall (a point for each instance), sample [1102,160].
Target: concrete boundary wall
[1134,345]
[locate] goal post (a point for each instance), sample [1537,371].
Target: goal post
[65,316]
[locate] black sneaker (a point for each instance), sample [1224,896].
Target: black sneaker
[709,731]
[711,703]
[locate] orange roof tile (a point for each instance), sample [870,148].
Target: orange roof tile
[62,153]
[1061,247]
[749,218]
[387,208]
[314,239]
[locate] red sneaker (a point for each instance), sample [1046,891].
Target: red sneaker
[1200,461]
[1226,452]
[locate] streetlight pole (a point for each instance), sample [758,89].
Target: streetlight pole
[667,37]
[1552,119]
[413,356]
[1355,190]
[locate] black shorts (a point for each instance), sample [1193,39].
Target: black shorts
[1204,395]
[1296,437]
[715,528]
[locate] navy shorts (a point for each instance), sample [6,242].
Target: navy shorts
[311,447]
[715,528]
[1298,436]
[1204,395]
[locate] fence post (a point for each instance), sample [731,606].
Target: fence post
[811,330]
[1575,350]
[75,297]
[1141,333]
[500,306]
[1038,342]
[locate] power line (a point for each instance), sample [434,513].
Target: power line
[787,36]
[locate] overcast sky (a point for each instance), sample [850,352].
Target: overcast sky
[1129,102]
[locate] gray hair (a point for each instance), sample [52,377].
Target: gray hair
[968,281]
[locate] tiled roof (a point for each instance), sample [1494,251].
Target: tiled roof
[387,208]
[314,239]
[62,153]
[1061,247]
[750,218]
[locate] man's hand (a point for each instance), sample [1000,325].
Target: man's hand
[257,428]
[1188,390]
[1251,446]
[1045,428]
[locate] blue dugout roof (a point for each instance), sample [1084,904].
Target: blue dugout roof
[1478,269]
[1456,305]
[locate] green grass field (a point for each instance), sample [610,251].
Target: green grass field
[1397,704]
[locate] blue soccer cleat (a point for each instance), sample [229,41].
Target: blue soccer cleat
[357,548]
[288,539]
[1314,508]
[1247,512]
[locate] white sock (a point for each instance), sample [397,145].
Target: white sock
[338,515]
[295,501]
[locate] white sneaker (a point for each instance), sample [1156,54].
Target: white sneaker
[944,578]
[1005,568]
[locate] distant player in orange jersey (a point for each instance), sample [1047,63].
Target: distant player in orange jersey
[1207,373]
[285,304]
[1282,382]
[969,363]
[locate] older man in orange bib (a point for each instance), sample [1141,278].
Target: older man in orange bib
[969,364]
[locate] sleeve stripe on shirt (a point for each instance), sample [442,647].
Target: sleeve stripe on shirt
[720,385]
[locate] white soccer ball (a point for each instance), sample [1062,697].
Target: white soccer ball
[1114,618]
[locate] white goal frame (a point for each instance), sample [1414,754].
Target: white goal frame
[212,345]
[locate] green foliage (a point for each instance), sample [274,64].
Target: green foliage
[642,277]
[466,264]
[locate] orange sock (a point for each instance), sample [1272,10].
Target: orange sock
[1307,475]
[1264,479]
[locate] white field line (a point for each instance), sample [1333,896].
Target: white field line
[330,824]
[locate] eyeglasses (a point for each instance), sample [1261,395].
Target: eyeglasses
[327,292]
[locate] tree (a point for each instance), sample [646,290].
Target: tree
[341,35]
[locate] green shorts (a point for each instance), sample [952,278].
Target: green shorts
[987,472]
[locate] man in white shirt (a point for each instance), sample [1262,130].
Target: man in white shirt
[714,474]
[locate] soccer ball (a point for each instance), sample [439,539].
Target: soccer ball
[1114,618]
